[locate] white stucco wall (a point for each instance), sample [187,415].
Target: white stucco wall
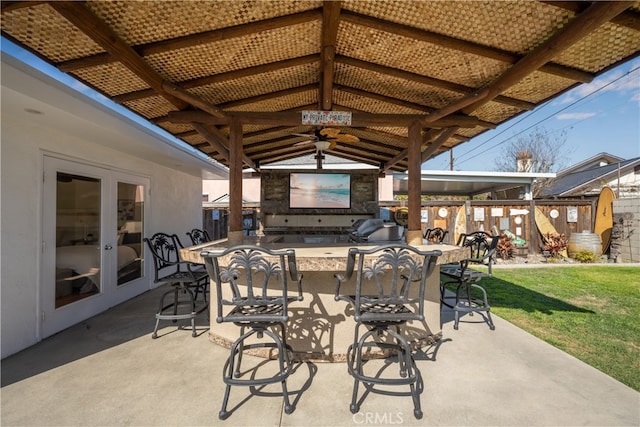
[174,205]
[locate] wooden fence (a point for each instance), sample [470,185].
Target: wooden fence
[517,216]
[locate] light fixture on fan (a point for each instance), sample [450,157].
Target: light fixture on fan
[322,146]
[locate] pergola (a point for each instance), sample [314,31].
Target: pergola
[232,78]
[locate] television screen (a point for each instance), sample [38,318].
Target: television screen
[319,190]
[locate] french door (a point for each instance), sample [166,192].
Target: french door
[92,248]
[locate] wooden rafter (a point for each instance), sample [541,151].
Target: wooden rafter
[330,20]
[101,33]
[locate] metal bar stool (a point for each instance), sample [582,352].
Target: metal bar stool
[389,291]
[252,292]
[183,276]
[469,296]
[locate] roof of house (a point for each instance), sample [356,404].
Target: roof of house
[447,70]
[601,159]
[583,181]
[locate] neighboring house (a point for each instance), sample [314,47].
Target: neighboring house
[81,183]
[587,178]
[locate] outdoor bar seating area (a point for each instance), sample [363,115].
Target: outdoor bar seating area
[232,90]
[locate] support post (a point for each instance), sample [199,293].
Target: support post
[235,235]
[414,227]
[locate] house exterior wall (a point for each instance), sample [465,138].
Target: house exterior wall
[628,186]
[174,206]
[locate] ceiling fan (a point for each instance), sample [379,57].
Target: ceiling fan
[326,138]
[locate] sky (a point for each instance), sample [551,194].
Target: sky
[598,117]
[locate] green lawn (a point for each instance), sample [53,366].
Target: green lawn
[591,312]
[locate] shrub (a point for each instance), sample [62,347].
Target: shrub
[585,256]
[555,244]
[505,246]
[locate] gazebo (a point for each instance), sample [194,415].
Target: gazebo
[246,82]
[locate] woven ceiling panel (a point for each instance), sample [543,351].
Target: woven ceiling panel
[408,54]
[112,78]
[237,53]
[384,138]
[538,86]
[152,107]
[139,22]
[48,33]
[386,85]
[619,42]
[178,128]
[281,103]
[489,23]
[276,134]
[362,103]
[495,112]
[246,87]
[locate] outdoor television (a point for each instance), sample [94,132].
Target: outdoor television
[316,190]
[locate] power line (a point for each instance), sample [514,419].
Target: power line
[544,119]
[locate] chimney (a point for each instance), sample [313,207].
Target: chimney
[524,161]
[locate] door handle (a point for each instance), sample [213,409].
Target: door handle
[108,247]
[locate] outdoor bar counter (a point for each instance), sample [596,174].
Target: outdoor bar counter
[319,327]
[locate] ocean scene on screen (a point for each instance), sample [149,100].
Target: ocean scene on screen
[320,190]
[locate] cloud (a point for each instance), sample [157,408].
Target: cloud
[574,116]
[618,80]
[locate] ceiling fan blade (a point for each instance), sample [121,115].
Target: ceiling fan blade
[305,135]
[344,137]
[330,132]
[297,144]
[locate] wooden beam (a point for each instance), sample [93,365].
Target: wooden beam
[219,142]
[215,139]
[98,31]
[198,39]
[452,108]
[458,44]
[414,190]
[358,119]
[436,116]
[330,21]
[430,81]
[581,26]
[193,100]
[435,145]
[235,184]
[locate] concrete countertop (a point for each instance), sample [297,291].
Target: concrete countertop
[317,257]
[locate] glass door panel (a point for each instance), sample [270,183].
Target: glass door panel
[78,224]
[130,229]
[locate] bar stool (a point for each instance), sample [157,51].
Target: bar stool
[468,295]
[184,277]
[389,292]
[252,292]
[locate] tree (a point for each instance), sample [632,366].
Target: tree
[548,152]
[537,152]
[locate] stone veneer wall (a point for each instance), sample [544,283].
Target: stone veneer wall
[274,198]
[625,236]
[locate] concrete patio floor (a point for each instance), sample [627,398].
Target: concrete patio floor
[107,371]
